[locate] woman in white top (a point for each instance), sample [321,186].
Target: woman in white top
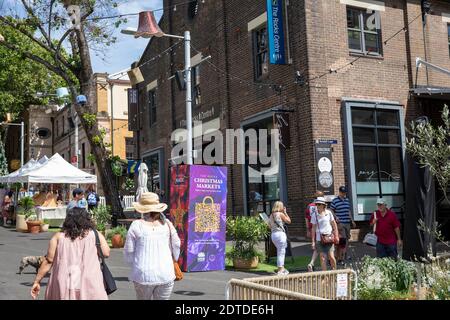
[276,222]
[151,247]
[323,223]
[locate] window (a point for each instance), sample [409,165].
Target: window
[364,31]
[63,122]
[155,181]
[448,31]
[43,133]
[57,128]
[260,53]
[152,106]
[83,154]
[262,181]
[129,148]
[377,158]
[196,94]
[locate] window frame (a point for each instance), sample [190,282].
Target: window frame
[448,33]
[258,67]
[152,106]
[363,32]
[348,106]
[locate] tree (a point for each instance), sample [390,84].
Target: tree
[20,80]
[48,20]
[3,161]
[431,147]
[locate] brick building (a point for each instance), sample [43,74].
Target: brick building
[350,82]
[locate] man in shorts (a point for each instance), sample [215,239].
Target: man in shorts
[342,211]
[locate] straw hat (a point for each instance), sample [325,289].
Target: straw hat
[149,202]
[320,200]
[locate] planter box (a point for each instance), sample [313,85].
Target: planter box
[245,263]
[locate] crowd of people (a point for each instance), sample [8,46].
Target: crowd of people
[152,244]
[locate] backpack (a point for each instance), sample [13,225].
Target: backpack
[92,199]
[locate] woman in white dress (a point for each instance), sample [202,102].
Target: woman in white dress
[151,246]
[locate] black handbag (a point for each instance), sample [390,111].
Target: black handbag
[108,279]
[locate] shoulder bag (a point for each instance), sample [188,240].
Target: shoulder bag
[176,267]
[325,238]
[371,238]
[108,279]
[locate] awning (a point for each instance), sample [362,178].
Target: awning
[432,92]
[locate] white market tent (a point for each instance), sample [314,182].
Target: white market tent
[27,166]
[57,170]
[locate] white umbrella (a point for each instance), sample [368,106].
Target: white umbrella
[142,180]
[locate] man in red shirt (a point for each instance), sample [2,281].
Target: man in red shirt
[387,230]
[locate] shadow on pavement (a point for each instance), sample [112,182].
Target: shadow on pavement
[121,278]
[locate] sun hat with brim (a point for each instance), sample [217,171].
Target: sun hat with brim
[149,202]
[321,200]
[381,201]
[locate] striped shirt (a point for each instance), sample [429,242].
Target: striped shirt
[341,208]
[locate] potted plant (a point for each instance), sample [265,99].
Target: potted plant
[101,216]
[117,236]
[245,232]
[25,213]
[45,225]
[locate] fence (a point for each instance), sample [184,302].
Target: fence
[328,285]
[127,201]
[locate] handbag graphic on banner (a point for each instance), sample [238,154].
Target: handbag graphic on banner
[207,216]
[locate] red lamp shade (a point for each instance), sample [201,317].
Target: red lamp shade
[148,26]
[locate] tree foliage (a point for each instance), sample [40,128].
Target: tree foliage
[20,79]
[430,145]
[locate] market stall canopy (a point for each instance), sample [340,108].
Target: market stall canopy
[13,175]
[57,170]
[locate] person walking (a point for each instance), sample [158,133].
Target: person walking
[151,246]
[92,198]
[6,207]
[310,211]
[73,257]
[324,224]
[342,211]
[277,220]
[387,230]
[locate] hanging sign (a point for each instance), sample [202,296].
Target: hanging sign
[276,31]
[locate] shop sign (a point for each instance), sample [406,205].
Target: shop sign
[324,168]
[276,31]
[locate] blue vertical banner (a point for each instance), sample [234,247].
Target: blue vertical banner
[276,31]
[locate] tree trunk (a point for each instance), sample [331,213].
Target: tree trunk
[102,159]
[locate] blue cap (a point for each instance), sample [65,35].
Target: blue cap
[343,189]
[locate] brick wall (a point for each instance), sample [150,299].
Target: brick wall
[318,42]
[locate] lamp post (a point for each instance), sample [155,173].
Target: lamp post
[147,28]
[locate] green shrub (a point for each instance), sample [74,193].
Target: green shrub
[385,278]
[27,205]
[245,232]
[101,216]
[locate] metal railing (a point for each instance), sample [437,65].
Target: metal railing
[305,286]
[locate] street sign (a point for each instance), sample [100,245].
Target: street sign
[326,141]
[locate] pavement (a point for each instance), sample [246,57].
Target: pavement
[195,286]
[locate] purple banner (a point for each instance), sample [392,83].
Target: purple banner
[207,218]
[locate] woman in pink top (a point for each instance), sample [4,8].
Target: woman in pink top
[72,255]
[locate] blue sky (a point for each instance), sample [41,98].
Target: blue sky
[127,49]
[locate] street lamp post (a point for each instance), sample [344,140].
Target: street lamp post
[148,27]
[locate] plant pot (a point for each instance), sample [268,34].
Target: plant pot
[239,263]
[117,241]
[21,224]
[44,227]
[34,226]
